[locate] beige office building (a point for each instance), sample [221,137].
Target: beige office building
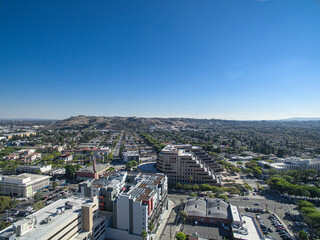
[181,164]
[23,185]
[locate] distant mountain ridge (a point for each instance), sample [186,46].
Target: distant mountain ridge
[133,123]
[140,123]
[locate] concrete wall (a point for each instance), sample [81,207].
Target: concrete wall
[123,213]
[116,234]
[140,218]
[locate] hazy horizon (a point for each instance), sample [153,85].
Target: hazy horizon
[283,119]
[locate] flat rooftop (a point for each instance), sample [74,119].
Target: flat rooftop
[99,168]
[253,231]
[56,220]
[24,178]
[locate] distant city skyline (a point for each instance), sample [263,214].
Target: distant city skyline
[234,60]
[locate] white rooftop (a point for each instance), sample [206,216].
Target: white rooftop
[24,178]
[56,220]
[248,223]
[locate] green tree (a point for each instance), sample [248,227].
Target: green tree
[205,187]
[224,197]
[4,224]
[71,171]
[303,235]
[183,216]
[4,203]
[151,226]
[144,234]
[54,184]
[303,203]
[110,156]
[129,165]
[181,236]
[38,196]
[38,205]
[178,185]
[195,187]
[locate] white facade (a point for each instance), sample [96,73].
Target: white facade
[131,156]
[132,216]
[23,185]
[293,163]
[34,169]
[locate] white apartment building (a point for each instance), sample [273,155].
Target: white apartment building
[133,200]
[142,204]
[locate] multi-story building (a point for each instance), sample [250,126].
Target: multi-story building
[34,169]
[205,157]
[131,156]
[23,185]
[142,204]
[292,163]
[133,199]
[107,188]
[181,164]
[69,218]
[295,163]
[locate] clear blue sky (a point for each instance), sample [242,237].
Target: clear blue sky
[225,59]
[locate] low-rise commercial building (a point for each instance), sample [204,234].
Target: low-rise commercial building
[292,163]
[34,169]
[131,156]
[83,153]
[23,185]
[211,211]
[91,172]
[248,229]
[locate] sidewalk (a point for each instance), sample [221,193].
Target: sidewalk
[164,220]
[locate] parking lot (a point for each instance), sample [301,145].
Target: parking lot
[24,207]
[272,227]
